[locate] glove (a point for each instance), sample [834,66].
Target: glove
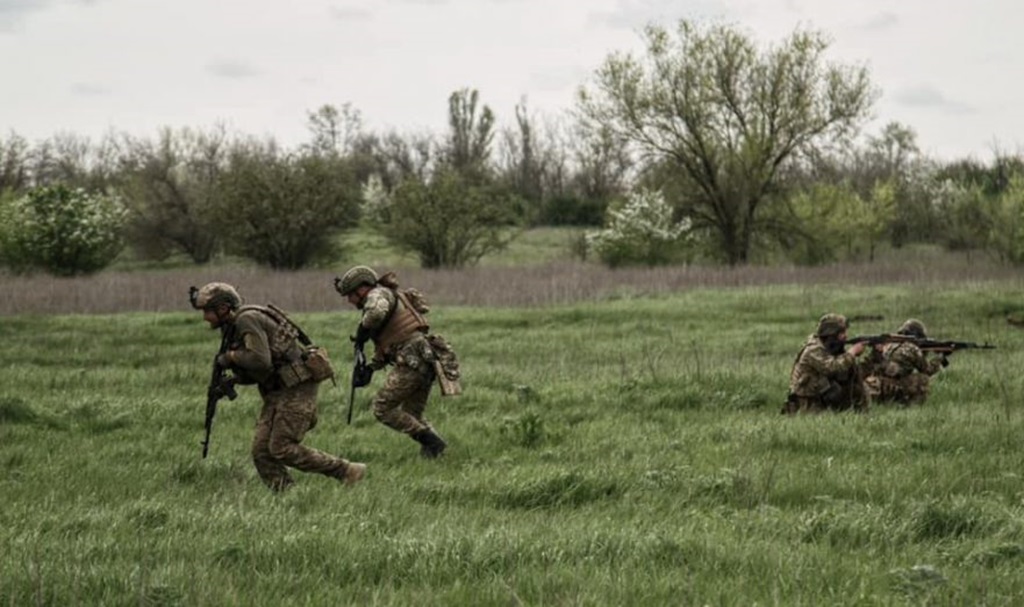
[362,376]
[362,336]
[943,361]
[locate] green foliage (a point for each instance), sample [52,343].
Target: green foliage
[1006,237]
[569,210]
[836,223]
[641,232]
[170,186]
[60,230]
[447,222]
[285,212]
[725,115]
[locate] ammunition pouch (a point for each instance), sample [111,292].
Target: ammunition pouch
[318,363]
[313,364]
[446,365]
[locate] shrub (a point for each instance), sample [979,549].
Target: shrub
[63,231]
[640,233]
[447,221]
[285,212]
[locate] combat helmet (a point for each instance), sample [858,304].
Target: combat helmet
[831,325]
[914,328]
[354,278]
[214,294]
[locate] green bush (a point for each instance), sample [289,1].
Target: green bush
[60,230]
[640,233]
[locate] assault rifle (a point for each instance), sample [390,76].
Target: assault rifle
[927,345]
[220,387]
[362,374]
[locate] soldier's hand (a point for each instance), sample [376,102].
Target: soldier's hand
[361,337]
[944,361]
[856,349]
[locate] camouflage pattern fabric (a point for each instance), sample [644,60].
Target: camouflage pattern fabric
[376,307]
[820,380]
[400,403]
[905,376]
[910,390]
[287,415]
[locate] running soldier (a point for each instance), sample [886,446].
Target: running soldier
[261,346]
[394,319]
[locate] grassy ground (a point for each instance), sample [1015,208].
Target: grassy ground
[535,246]
[628,451]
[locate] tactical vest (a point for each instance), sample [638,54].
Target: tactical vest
[403,322]
[284,340]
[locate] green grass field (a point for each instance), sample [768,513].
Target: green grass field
[627,452]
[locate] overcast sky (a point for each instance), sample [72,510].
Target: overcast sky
[951,70]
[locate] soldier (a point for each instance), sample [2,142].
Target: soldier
[825,375]
[905,373]
[262,346]
[393,319]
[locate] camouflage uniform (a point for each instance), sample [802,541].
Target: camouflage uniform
[905,371]
[906,374]
[259,347]
[400,335]
[820,380]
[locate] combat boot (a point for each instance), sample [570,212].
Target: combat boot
[432,444]
[354,473]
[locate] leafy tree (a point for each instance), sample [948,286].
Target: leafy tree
[285,211]
[470,133]
[1006,236]
[447,221]
[60,230]
[834,221]
[171,185]
[642,232]
[727,116]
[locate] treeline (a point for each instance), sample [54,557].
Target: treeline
[706,147]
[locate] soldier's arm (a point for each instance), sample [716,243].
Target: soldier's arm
[253,357]
[826,364]
[914,357]
[376,308]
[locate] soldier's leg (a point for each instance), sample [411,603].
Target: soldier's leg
[402,387]
[271,471]
[859,396]
[296,415]
[916,388]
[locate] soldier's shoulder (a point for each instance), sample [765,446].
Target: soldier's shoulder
[250,316]
[380,293]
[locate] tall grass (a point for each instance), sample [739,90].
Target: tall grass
[491,285]
[624,451]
